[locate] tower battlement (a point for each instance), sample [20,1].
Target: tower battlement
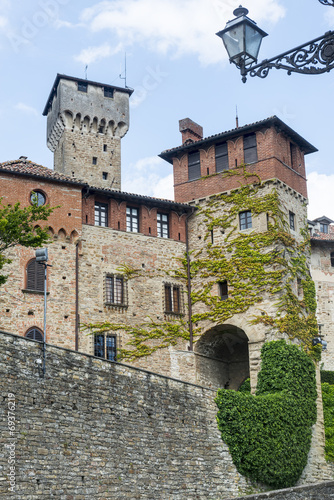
[85,124]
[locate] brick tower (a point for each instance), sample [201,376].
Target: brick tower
[85,123]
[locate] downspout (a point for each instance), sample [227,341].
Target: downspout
[191,334]
[77,297]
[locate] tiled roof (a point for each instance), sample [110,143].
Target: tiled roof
[318,236]
[29,168]
[229,134]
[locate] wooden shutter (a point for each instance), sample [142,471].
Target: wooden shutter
[194,166]
[35,276]
[168,298]
[176,299]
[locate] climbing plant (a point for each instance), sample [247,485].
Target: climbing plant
[256,265]
[328,404]
[269,434]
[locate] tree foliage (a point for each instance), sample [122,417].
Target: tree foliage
[17,227]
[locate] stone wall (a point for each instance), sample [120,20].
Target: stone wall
[321,491]
[95,429]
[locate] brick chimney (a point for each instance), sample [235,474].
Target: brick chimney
[191,131]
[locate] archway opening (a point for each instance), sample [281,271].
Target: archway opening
[222,358]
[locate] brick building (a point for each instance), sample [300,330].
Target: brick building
[133,261]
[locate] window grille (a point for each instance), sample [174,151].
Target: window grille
[292,220]
[250,148]
[105,346]
[101,214]
[221,157]
[194,166]
[162,225]
[114,291]
[35,276]
[245,219]
[132,220]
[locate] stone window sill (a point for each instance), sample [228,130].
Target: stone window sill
[34,292]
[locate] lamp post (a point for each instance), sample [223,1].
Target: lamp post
[42,257]
[242,39]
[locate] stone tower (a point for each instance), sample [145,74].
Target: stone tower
[85,123]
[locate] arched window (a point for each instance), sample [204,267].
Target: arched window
[332,259]
[35,276]
[35,333]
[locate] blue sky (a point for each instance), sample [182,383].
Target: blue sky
[178,68]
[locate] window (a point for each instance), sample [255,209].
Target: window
[292,220]
[221,157]
[172,299]
[132,219]
[35,334]
[94,161]
[101,214]
[37,198]
[323,228]
[250,148]
[194,166]
[108,92]
[104,176]
[245,219]
[293,151]
[105,346]
[162,223]
[223,290]
[82,86]
[332,259]
[105,147]
[114,291]
[35,276]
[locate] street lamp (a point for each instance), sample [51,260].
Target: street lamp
[242,39]
[41,255]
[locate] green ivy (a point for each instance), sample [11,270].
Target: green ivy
[269,435]
[327,378]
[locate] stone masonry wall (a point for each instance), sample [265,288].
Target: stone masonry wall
[95,429]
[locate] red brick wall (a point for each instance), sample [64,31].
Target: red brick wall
[274,161]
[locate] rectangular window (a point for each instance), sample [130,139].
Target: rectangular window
[245,219]
[104,176]
[105,346]
[323,228]
[82,86]
[223,290]
[114,290]
[172,299]
[194,166]
[108,92]
[292,220]
[250,148]
[221,157]
[101,214]
[132,220]
[94,160]
[162,225]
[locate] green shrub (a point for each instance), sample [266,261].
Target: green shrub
[269,435]
[328,402]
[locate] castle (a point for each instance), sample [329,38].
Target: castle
[190,288]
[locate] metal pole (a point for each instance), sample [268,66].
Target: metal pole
[44,338]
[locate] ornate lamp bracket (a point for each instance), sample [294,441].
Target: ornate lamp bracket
[312,58]
[327,2]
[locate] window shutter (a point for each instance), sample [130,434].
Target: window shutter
[221,157]
[194,166]
[176,299]
[35,276]
[168,298]
[35,334]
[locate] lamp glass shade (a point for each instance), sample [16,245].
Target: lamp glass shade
[253,39]
[234,41]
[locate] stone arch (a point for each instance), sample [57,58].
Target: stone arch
[86,124]
[68,119]
[222,357]
[121,129]
[51,231]
[102,126]
[110,128]
[62,234]
[74,236]
[77,122]
[93,127]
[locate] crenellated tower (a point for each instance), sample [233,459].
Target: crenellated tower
[85,124]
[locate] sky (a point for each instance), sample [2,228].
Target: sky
[178,68]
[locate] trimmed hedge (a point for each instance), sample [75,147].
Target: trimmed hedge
[269,435]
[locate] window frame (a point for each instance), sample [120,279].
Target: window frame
[324,227]
[108,92]
[83,87]
[245,219]
[132,220]
[104,346]
[35,330]
[250,148]
[223,287]
[41,196]
[194,166]
[162,225]
[173,299]
[115,290]
[292,221]
[100,210]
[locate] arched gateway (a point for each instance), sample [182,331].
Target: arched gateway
[222,358]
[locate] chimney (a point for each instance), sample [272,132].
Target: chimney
[191,131]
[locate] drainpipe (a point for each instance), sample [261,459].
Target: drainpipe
[77,297]
[191,339]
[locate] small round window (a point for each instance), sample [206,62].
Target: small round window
[38,198]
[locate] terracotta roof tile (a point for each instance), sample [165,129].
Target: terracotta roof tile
[26,167]
[318,236]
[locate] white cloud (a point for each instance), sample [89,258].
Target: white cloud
[320,193]
[25,108]
[329,17]
[94,54]
[171,26]
[3,22]
[145,177]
